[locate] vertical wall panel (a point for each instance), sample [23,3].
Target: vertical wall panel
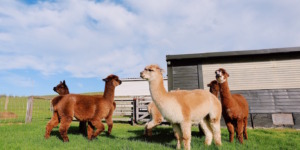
[185,77]
[279,74]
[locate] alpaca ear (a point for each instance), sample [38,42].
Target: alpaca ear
[64,82]
[227,74]
[162,71]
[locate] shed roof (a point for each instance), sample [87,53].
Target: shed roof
[234,53]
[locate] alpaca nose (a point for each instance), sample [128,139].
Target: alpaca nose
[141,74]
[120,82]
[218,76]
[54,89]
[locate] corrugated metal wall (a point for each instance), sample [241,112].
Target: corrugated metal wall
[185,77]
[279,74]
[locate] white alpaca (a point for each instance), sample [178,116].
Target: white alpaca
[181,108]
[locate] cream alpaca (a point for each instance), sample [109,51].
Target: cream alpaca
[181,108]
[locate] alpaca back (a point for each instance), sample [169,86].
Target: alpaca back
[194,105]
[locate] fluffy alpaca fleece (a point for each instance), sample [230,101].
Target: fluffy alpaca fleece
[181,108]
[85,108]
[157,118]
[235,108]
[62,89]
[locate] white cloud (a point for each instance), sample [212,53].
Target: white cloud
[89,39]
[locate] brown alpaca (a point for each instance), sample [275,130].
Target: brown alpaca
[84,108]
[157,118]
[235,108]
[214,87]
[62,89]
[181,108]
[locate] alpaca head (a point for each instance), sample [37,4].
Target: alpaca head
[221,75]
[112,80]
[213,86]
[151,72]
[61,88]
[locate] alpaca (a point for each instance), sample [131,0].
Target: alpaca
[183,107]
[85,108]
[214,87]
[235,108]
[62,89]
[156,117]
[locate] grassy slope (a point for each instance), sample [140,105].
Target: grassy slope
[125,136]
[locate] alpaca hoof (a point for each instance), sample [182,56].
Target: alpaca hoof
[108,133]
[66,140]
[47,137]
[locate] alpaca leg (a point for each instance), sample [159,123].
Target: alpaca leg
[240,129]
[245,128]
[64,126]
[201,133]
[90,130]
[82,127]
[178,135]
[216,129]
[230,129]
[99,125]
[109,123]
[51,124]
[149,126]
[207,132]
[186,134]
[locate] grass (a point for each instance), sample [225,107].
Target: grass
[125,136]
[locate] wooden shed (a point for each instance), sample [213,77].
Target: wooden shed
[268,78]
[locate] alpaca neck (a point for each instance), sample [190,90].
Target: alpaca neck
[109,92]
[157,89]
[215,93]
[225,93]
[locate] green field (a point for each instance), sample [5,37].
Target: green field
[125,136]
[15,134]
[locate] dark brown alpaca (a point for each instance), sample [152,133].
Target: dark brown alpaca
[62,89]
[84,108]
[214,87]
[235,108]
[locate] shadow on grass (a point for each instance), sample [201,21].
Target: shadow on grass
[163,136]
[75,131]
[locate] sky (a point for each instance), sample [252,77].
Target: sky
[43,42]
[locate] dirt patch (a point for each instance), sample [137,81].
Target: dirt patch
[7,115]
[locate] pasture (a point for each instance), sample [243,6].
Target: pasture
[125,136]
[15,134]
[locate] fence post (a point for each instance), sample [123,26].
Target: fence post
[6,102]
[133,118]
[28,118]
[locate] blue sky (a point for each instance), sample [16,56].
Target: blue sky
[83,41]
